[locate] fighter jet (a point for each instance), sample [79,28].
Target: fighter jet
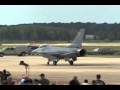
[68,53]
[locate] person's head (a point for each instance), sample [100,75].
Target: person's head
[75,77]
[36,81]
[98,76]
[93,82]
[86,81]
[53,84]
[42,75]
[4,71]
[25,77]
[9,79]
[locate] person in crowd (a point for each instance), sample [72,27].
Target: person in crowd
[36,82]
[10,81]
[93,82]
[85,82]
[43,80]
[53,84]
[74,81]
[99,81]
[4,82]
[23,80]
[28,81]
[4,74]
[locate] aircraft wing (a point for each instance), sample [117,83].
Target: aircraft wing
[73,54]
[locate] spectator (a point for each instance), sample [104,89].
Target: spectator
[4,75]
[99,81]
[4,82]
[74,81]
[43,80]
[85,82]
[24,78]
[36,82]
[28,81]
[0,78]
[53,84]
[93,82]
[10,81]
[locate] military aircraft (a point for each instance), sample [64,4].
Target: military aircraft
[68,53]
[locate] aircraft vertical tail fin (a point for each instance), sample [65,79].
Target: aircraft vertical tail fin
[78,40]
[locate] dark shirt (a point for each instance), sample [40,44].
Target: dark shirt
[4,76]
[74,82]
[28,81]
[44,81]
[99,82]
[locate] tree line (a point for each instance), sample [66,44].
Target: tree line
[58,31]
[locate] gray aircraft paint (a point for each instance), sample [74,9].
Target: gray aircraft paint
[56,53]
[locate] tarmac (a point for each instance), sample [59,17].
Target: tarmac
[84,68]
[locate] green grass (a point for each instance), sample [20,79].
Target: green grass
[41,41]
[93,47]
[106,56]
[4,46]
[49,41]
[101,41]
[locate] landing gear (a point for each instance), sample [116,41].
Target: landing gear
[23,54]
[47,63]
[71,62]
[54,62]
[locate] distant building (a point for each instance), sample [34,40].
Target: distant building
[89,37]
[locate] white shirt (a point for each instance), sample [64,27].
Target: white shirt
[21,82]
[85,84]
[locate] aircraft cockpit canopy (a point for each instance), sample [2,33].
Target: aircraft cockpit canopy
[43,45]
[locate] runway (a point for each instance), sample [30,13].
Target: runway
[84,68]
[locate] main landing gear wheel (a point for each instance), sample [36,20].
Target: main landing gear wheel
[71,62]
[23,54]
[47,63]
[54,62]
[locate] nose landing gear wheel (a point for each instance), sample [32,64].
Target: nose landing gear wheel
[47,63]
[54,62]
[71,62]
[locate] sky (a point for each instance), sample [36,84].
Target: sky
[26,14]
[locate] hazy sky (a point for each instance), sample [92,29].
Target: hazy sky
[20,14]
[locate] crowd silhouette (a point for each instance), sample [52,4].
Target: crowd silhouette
[6,79]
